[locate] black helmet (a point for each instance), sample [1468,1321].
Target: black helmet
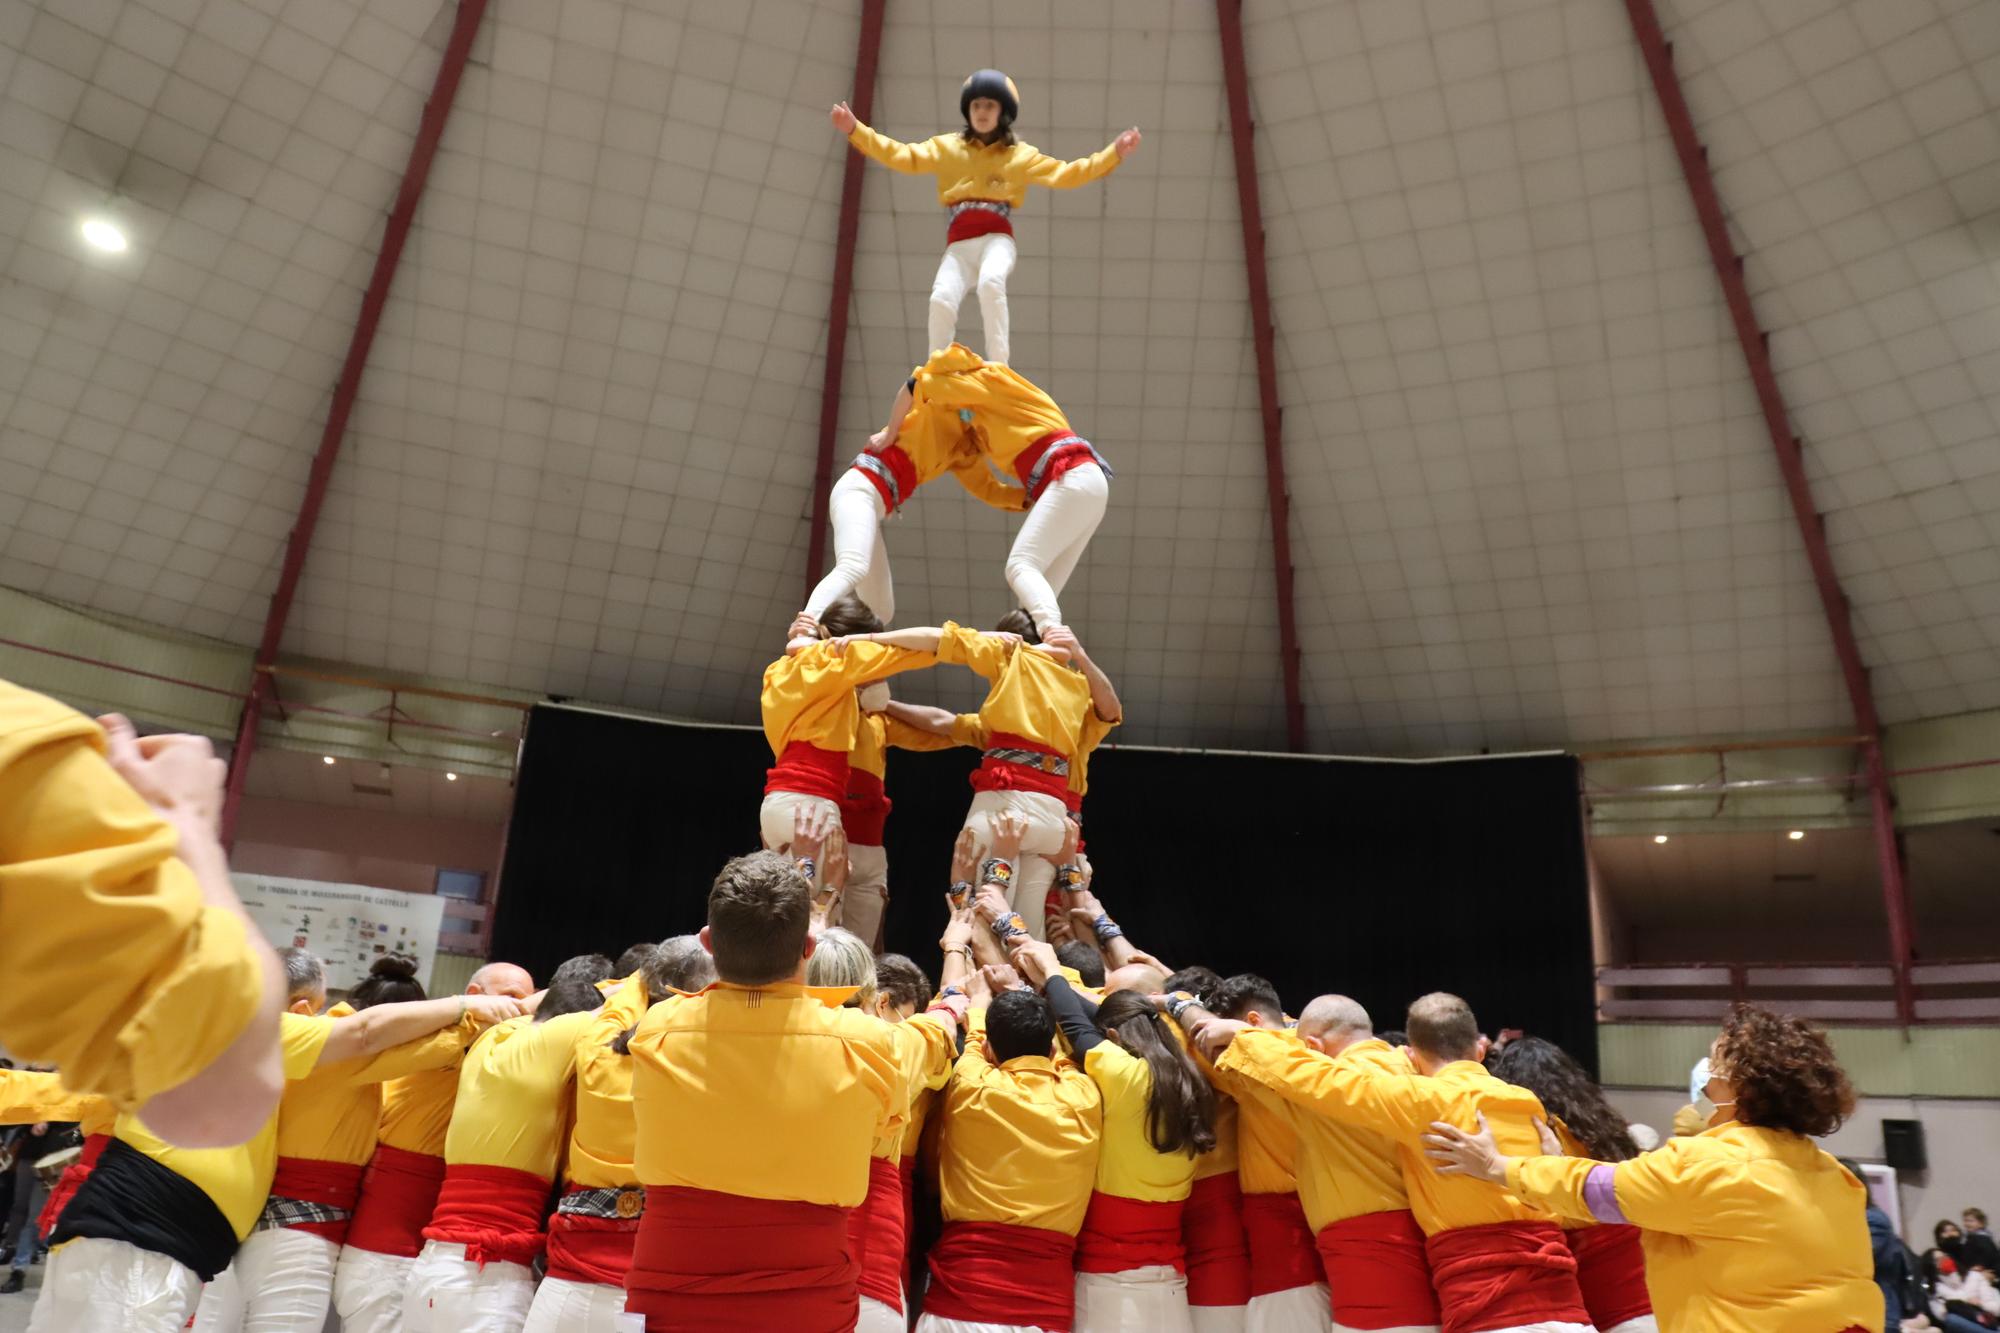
[990,83]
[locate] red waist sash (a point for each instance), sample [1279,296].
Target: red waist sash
[1503,1274]
[1377,1271]
[334,1184]
[901,483]
[66,1184]
[398,1195]
[877,1233]
[707,1262]
[1063,450]
[807,770]
[864,810]
[591,1249]
[994,1273]
[973,222]
[1006,775]
[1218,1255]
[494,1211]
[1611,1272]
[1281,1244]
[1121,1234]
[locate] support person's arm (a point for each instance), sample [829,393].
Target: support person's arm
[887,436]
[385,1025]
[1103,695]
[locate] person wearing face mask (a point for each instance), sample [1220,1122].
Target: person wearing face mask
[1963,1300]
[1747,1227]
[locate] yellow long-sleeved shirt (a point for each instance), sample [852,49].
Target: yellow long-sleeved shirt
[968,170]
[416,1111]
[237,1179]
[809,696]
[334,1114]
[1746,1230]
[926,1048]
[600,1144]
[878,733]
[1128,1165]
[96,908]
[968,730]
[513,1095]
[1032,694]
[931,442]
[1360,1089]
[1341,1171]
[766,1092]
[1020,1141]
[29,1097]
[1004,411]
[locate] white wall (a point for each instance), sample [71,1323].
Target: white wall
[1961,1139]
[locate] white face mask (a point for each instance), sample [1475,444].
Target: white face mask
[1704,1106]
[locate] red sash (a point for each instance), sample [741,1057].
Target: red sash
[808,771]
[334,1184]
[1281,1244]
[591,1249]
[877,1232]
[901,468]
[1061,458]
[398,1195]
[1503,1274]
[1006,775]
[1121,1234]
[707,1262]
[1218,1256]
[66,1184]
[864,810]
[494,1211]
[994,1273]
[1611,1271]
[1377,1272]
[973,222]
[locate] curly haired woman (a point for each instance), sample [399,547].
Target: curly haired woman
[1748,1226]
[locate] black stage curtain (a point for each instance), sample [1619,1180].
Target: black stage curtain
[1381,880]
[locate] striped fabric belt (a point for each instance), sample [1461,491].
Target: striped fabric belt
[1035,759]
[624,1204]
[1056,446]
[982,205]
[882,472]
[280,1214]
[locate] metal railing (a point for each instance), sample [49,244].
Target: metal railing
[1966,991]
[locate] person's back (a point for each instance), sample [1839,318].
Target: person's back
[1019,1136]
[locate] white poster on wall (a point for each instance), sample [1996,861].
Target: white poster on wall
[348,925]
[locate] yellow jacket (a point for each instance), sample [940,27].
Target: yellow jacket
[969,170]
[1746,1230]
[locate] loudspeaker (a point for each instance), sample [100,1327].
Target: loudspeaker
[1903,1144]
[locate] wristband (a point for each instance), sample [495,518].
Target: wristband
[1179,1003]
[1069,878]
[947,992]
[997,871]
[960,893]
[1010,927]
[807,867]
[1107,929]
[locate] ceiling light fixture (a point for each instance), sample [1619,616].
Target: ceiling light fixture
[326,759]
[451,777]
[1659,837]
[105,235]
[1797,835]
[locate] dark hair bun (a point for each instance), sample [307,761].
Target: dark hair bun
[394,967]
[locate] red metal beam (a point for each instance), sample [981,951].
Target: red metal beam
[430,129]
[867,52]
[1236,82]
[1659,56]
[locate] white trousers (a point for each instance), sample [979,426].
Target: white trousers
[879,1318]
[1294,1310]
[1645,1323]
[450,1294]
[564,1306]
[281,1281]
[979,263]
[931,1323]
[1053,539]
[368,1290]
[1036,870]
[860,559]
[1219,1318]
[1138,1300]
[866,894]
[775,816]
[113,1286]
[1544,1326]
[1399,1328]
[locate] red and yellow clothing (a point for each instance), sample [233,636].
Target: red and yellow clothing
[1012,421]
[865,810]
[600,1142]
[811,714]
[30,1097]
[1746,1230]
[237,1180]
[512,1095]
[96,908]
[1033,698]
[966,169]
[930,443]
[416,1111]
[334,1113]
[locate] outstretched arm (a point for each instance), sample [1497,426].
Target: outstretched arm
[912,158]
[377,1029]
[916,638]
[899,409]
[923,717]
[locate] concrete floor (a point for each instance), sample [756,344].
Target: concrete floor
[14,1309]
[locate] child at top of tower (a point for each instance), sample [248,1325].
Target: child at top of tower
[983,174]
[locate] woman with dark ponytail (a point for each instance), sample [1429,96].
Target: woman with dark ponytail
[392,980]
[1159,1115]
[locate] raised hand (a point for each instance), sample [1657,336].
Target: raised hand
[812,827]
[176,775]
[1126,143]
[493,1008]
[1458,1153]
[1072,835]
[957,930]
[1008,830]
[1211,1036]
[965,857]
[1000,977]
[1036,961]
[844,121]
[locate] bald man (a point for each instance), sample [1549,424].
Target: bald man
[1497,1264]
[401,1186]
